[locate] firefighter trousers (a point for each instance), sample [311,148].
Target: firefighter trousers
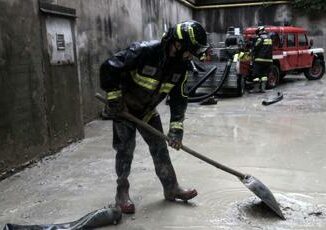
[124,142]
[261,71]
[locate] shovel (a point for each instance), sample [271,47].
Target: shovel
[252,183]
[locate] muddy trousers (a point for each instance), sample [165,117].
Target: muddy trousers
[260,73]
[124,134]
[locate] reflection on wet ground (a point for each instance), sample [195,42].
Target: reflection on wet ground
[281,144]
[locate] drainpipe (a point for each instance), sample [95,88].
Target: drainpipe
[219,6]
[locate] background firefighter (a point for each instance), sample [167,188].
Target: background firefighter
[262,59]
[137,79]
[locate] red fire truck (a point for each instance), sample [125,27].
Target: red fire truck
[291,53]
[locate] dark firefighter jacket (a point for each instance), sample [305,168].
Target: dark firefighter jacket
[263,50]
[143,77]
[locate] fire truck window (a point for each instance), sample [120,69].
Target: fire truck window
[276,40]
[282,40]
[303,40]
[291,40]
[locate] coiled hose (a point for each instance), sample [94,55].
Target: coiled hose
[226,72]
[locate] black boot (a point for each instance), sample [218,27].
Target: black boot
[122,198]
[262,87]
[255,86]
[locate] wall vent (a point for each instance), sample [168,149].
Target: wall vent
[61,42]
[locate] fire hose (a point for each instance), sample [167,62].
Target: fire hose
[208,74]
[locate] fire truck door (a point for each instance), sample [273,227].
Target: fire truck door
[304,57]
[291,52]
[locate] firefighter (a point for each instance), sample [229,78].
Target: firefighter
[262,59]
[136,80]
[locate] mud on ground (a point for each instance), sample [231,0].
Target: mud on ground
[281,144]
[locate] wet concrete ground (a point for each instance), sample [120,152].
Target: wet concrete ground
[282,144]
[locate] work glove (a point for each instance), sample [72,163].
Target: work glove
[114,108]
[115,104]
[175,138]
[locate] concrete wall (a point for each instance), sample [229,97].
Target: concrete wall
[105,26]
[316,26]
[39,112]
[31,104]
[217,21]
[23,124]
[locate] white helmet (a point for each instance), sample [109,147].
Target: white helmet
[260,30]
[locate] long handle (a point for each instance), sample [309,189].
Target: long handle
[154,131]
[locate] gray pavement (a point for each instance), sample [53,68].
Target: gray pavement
[282,144]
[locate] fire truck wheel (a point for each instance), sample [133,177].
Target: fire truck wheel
[273,77]
[316,71]
[282,75]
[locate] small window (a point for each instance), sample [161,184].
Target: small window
[303,41]
[61,42]
[291,40]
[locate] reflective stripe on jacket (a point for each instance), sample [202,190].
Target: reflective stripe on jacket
[263,49]
[145,78]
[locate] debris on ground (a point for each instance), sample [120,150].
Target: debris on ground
[99,218]
[273,99]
